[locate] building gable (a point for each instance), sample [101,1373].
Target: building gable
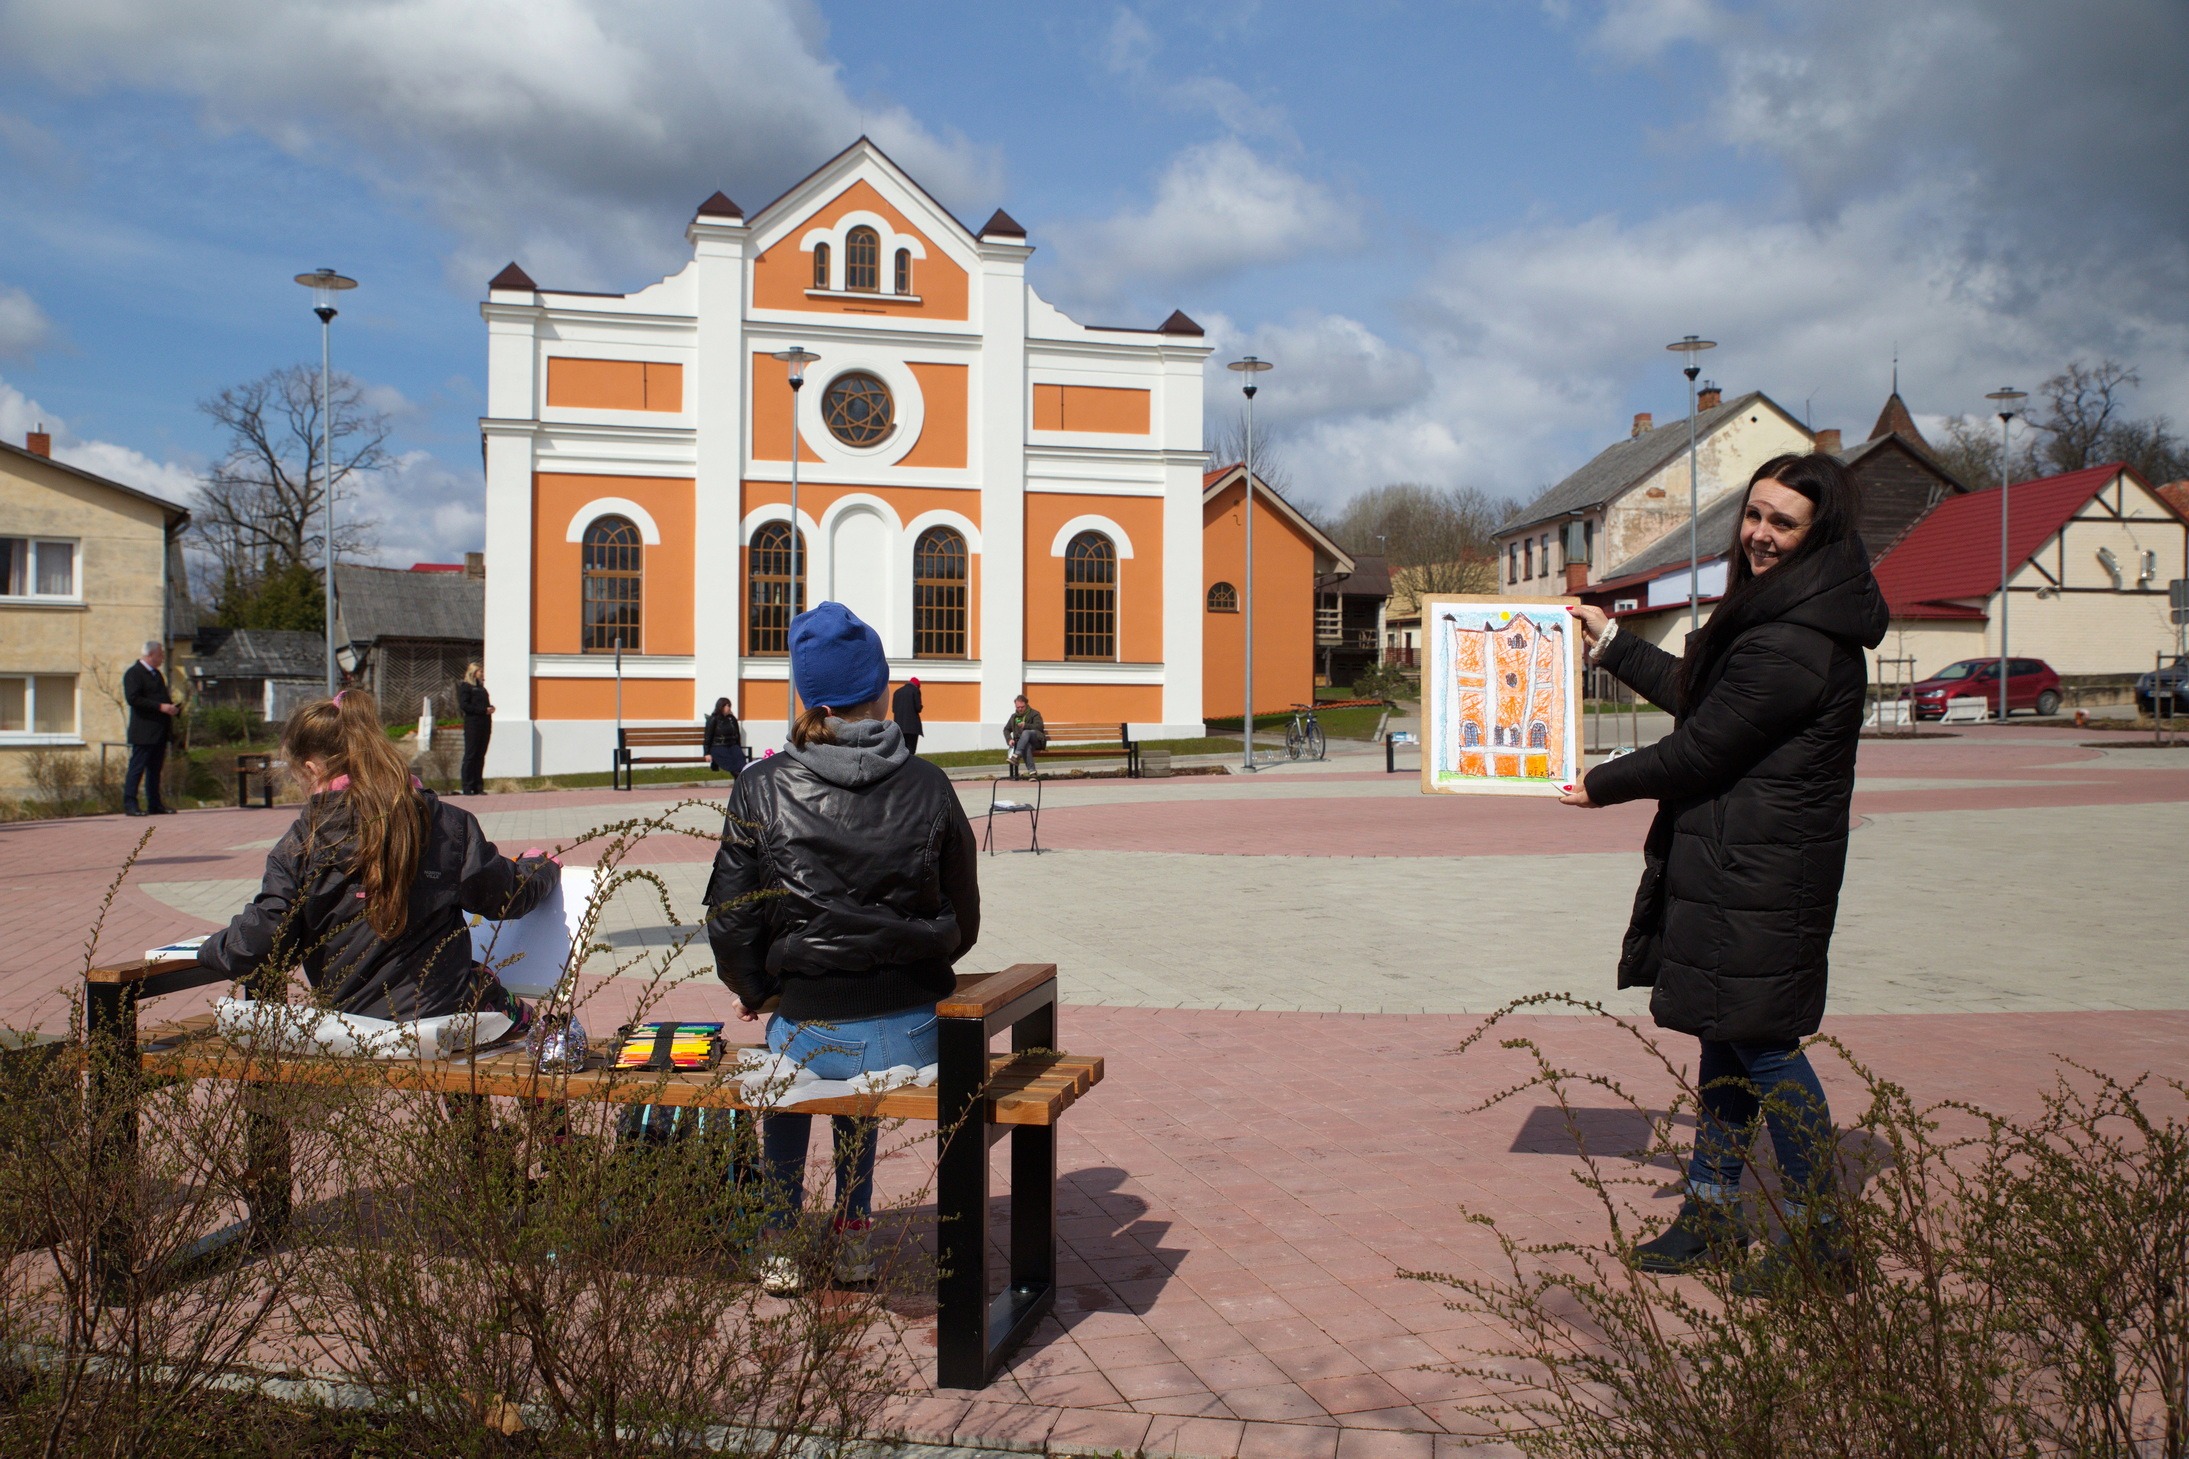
[861,189]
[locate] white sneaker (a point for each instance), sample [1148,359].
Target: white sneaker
[779,1277]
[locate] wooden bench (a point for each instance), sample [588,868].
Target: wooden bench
[979,1098]
[1091,742]
[670,738]
[263,766]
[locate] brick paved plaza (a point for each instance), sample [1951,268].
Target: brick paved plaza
[1277,969]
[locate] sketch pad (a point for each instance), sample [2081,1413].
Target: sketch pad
[528,953]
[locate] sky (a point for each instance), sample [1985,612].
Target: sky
[1463,231]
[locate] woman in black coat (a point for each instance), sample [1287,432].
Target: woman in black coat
[478,712]
[1742,867]
[724,738]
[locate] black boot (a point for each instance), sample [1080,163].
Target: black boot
[1705,1233]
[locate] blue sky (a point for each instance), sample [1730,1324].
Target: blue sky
[1463,230]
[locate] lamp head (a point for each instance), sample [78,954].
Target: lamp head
[2008,401]
[1691,346]
[325,283]
[1250,366]
[797,357]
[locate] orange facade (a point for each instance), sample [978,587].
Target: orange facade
[1512,705]
[1096,703]
[943,411]
[579,383]
[1099,409]
[596,699]
[665,605]
[1284,608]
[782,278]
[1139,577]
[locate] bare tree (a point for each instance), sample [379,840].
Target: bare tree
[1226,442]
[2079,406]
[1437,539]
[262,507]
[2080,424]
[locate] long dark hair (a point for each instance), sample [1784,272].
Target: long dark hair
[1836,501]
[345,736]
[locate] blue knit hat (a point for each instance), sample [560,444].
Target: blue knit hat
[835,659]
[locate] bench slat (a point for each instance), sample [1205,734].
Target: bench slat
[980,994]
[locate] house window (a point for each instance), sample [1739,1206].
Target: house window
[858,410]
[1539,736]
[1090,597]
[1512,562]
[863,261]
[38,704]
[904,270]
[820,265]
[770,606]
[1527,557]
[614,575]
[1223,598]
[32,567]
[1544,545]
[939,595]
[1470,733]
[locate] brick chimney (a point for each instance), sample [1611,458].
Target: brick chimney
[1643,423]
[37,442]
[1828,443]
[1577,576]
[474,564]
[1709,397]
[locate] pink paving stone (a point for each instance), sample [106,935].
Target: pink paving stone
[1156,1380]
[1099,1432]
[1194,1438]
[1185,1405]
[1016,1424]
[1288,1441]
[1084,1389]
[1240,1370]
[1357,1393]
[1133,1351]
[1319,1360]
[1404,1416]
[1384,1444]
[1287,1402]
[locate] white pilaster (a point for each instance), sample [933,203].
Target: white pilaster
[513,401]
[999,404]
[720,391]
[1178,428]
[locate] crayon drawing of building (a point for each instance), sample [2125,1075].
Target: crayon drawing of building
[1509,688]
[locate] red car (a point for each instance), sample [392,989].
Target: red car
[2030,685]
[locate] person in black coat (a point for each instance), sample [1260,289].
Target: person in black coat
[904,708]
[368,889]
[478,713]
[151,725]
[1743,863]
[724,738]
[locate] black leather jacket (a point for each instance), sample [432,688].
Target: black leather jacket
[847,886]
[308,909]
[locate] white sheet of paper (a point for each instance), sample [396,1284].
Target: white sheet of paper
[528,952]
[300,1029]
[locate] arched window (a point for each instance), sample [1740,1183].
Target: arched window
[1090,597]
[939,596]
[770,604]
[1539,736]
[820,265]
[1223,598]
[613,574]
[904,270]
[863,261]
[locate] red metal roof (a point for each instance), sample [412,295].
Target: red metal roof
[1954,552]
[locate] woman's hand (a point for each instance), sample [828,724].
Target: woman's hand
[747,1015]
[1591,619]
[1577,794]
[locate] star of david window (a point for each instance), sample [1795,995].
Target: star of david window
[858,409]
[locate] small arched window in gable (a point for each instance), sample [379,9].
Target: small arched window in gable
[1223,598]
[939,598]
[1090,597]
[1539,736]
[770,603]
[1470,733]
[904,271]
[863,261]
[820,265]
[612,582]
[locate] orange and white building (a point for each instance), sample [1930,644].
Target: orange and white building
[1015,500]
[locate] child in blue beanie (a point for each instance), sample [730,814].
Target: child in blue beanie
[844,889]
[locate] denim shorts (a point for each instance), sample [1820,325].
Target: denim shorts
[849,1046]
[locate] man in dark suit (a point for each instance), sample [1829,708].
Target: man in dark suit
[904,707]
[151,721]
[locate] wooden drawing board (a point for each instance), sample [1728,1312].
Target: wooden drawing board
[1559,757]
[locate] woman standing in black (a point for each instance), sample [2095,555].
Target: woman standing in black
[724,738]
[1742,867]
[478,713]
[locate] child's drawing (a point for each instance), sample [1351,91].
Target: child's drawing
[1500,688]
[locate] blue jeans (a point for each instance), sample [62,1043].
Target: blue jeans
[1740,1082]
[838,1051]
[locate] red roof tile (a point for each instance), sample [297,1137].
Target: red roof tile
[1954,552]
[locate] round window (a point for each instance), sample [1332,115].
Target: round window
[858,409]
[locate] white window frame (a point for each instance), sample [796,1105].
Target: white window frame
[32,542]
[32,737]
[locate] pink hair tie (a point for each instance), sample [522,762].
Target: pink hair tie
[338,695]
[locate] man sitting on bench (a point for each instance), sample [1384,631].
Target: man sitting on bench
[1024,734]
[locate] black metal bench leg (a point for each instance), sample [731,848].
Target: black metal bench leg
[961,1203]
[270,1179]
[110,1094]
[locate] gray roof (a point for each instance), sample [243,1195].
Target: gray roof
[1370,578]
[373,603]
[1621,467]
[265,653]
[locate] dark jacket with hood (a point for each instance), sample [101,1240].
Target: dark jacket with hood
[1742,868]
[846,881]
[722,731]
[310,908]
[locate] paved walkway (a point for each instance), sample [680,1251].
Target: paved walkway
[1277,967]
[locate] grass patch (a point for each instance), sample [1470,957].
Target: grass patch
[1205,745]
[1338,724]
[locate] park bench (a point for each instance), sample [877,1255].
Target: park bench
[1091,742]
[263,766]
[980,1097]
[668,739]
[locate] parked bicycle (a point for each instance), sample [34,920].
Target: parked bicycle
[1304,736]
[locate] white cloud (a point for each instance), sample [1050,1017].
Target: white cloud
[23,325]
[575,134]
[1327,365]
[20,415]
[425,511]
[1219,207]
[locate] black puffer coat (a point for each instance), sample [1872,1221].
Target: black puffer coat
[846,882]
[1742,868]
[310,909]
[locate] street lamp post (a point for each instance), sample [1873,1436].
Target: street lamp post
[2009,402]
[1250,367]
[1690,346]
[325,283]
[797,357]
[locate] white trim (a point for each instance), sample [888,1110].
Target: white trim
[1104,525]
[616,506]
[908,405]
[32,541]
[887,240]
[943,517]
[1092,671]
[934,671]
[857,499]
[603,666]
[768,512]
